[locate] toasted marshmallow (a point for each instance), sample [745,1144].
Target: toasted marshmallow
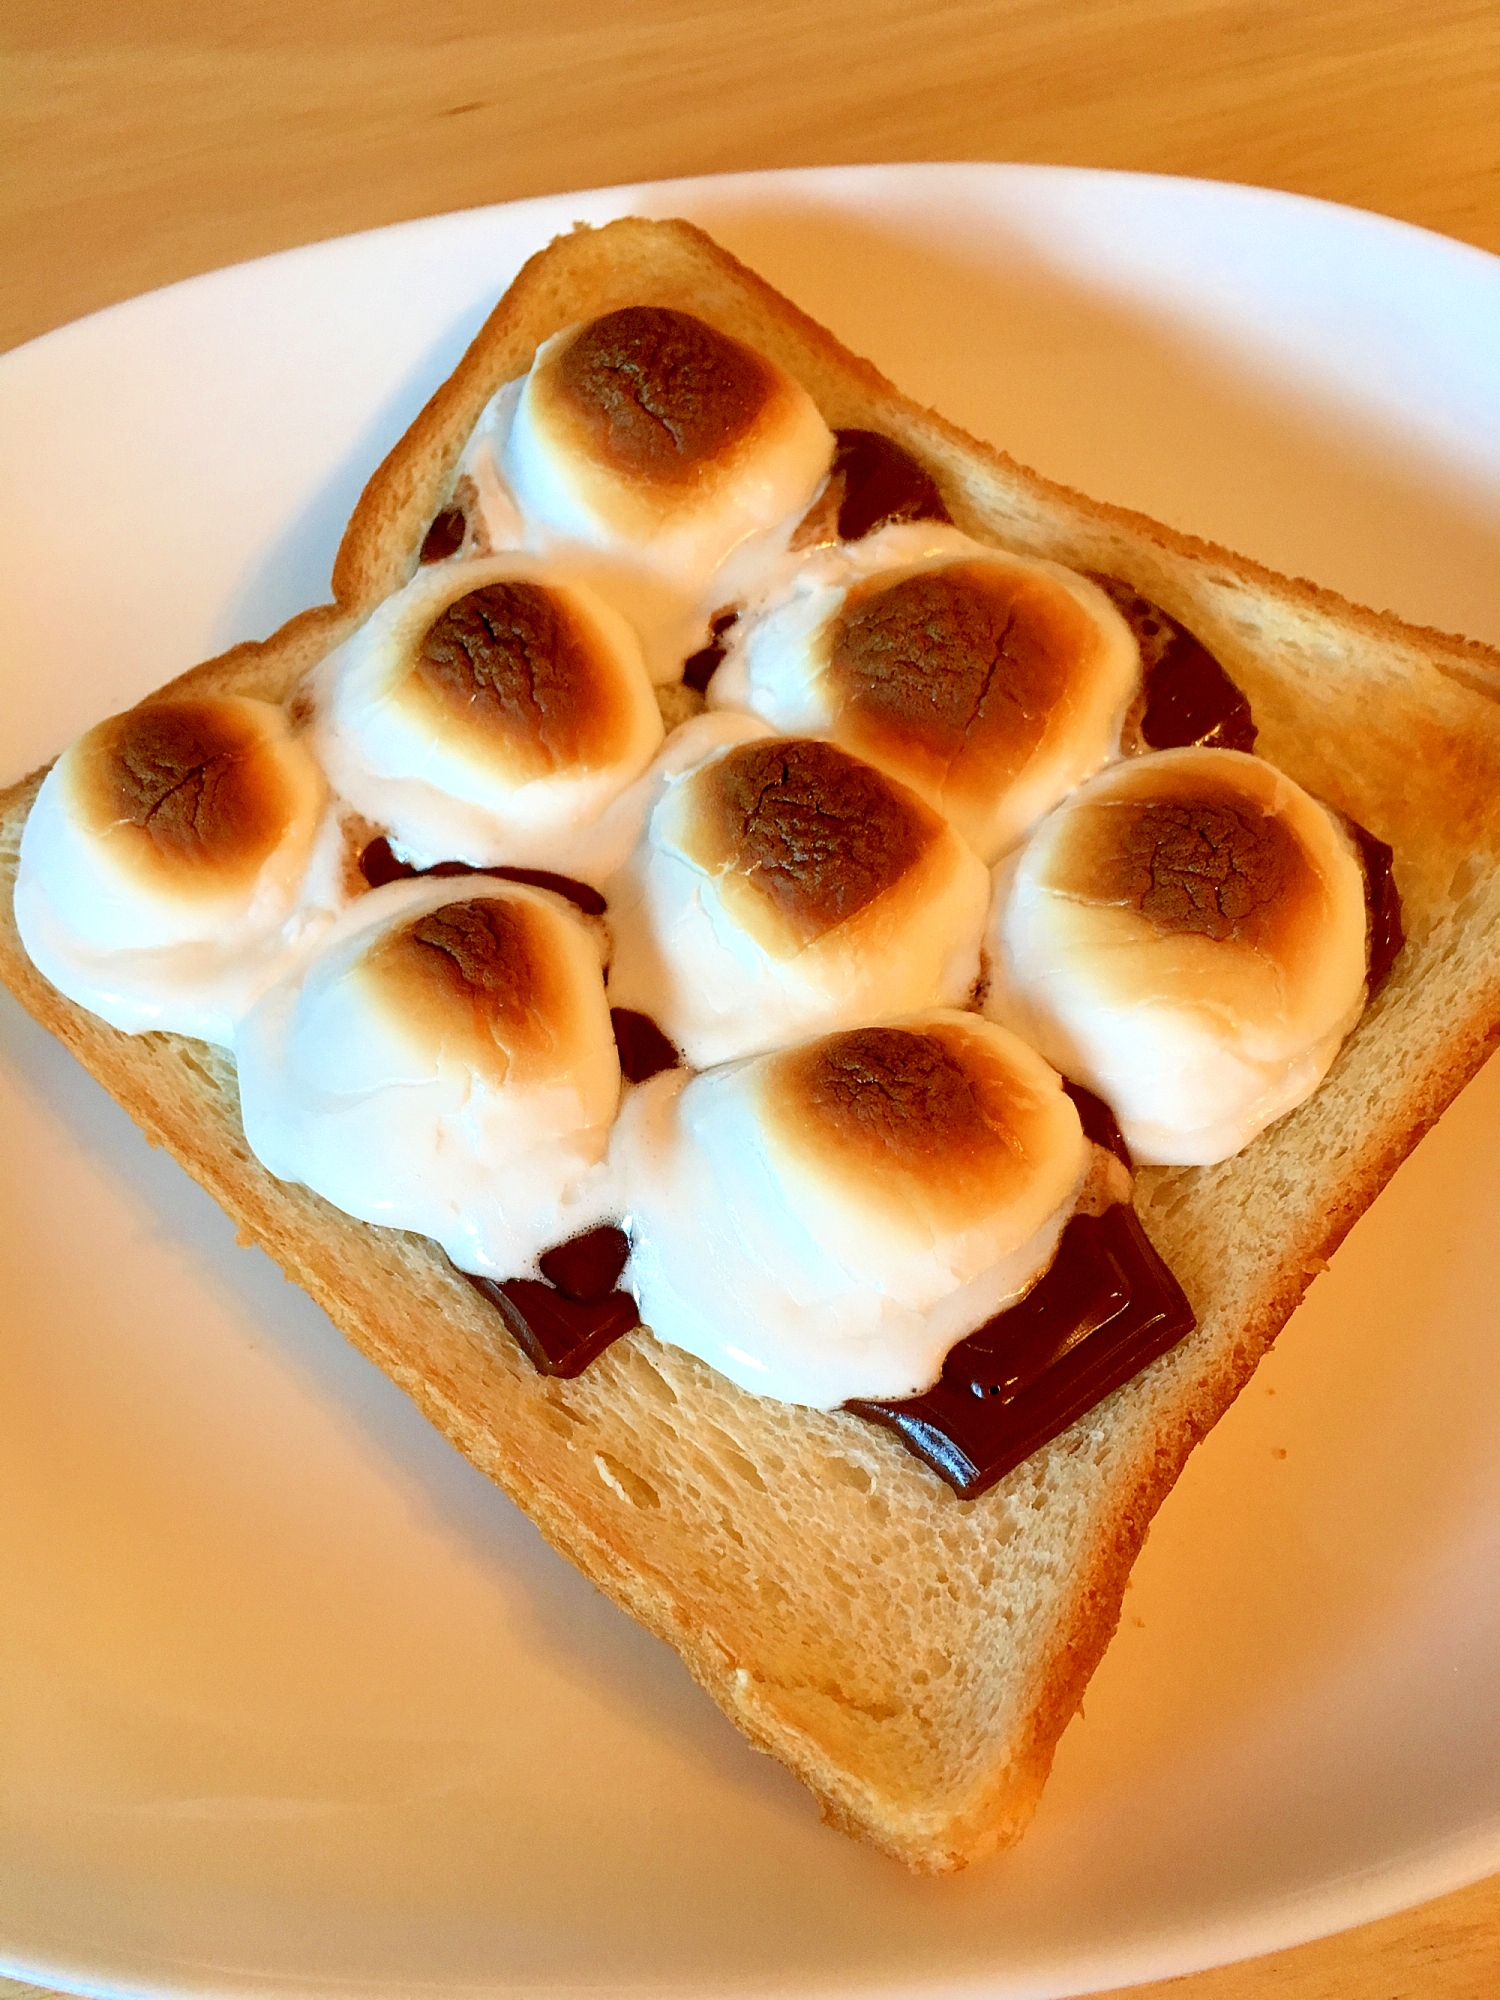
[490,712]
[828,1221]
[991,684]
[444,1064]
[1185,936]
[649,450]
[784,887]
[177,859]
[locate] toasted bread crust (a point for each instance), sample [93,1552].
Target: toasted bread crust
[912,1657]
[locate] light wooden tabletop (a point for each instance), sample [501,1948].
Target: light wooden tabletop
[151,139]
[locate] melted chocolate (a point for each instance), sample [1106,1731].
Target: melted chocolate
[644,1049]
[568,1321]
[379,865]
[1106,1307]
[588,1267]
[1386,935]
[558,1335]
[882,484]
[699,668]
[1098,1122]
[445,537]
[1190,701]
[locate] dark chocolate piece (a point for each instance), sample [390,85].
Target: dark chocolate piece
[699,668]
[1386,934]
[446,535]
[558,1335]
[1190,701]
[379,865]
[588,1267]
[1098,1122]
[882,484]
[1107,1306]
[644,1049]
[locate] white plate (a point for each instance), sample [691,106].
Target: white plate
[289,1696]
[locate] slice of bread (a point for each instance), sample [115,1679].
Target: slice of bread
[913,1657]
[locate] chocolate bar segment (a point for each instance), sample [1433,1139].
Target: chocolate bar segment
[1107,1306]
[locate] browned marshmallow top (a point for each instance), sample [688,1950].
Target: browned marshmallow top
[656,395]
[935,1121]
[193,795]
[518,674]
[803,835]
[486,981]
[1218,869]
[954,677]
[1196,854]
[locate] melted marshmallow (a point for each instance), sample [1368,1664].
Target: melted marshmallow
[177,860]
[444,1064]
[781,887]
[1185,936]
[990,683]
[491,712]
[827,1222]
[659,459]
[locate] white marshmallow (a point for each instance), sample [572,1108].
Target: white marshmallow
[968,764]
[711,958]
[668,555]
[404,1099]
[472,780]
[1197,1042]
[814,1266]
[178,928]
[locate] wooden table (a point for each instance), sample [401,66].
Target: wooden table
[155,138]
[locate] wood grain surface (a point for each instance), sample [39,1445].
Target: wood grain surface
[150,139]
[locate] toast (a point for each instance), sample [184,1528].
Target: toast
[912,1656]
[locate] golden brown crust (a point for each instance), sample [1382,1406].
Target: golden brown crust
[1202,862]
[194,787]
[510,668]
[932,1121]
[912,1657]
[481,980]
[656,396]
[953,676]
[804,835]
